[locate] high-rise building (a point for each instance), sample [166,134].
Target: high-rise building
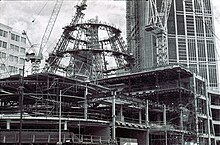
[191,40]
[12,51]
[191,43]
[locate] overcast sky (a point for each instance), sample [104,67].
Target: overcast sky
[19,14]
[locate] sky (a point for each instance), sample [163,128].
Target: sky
[19,14]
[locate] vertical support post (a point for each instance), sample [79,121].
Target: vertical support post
[179,85]
[147,113]
[121,113]
[196,108]
[85,103]
[65,125]
[8,124]
[113,116]
[140,117]
[59,142]
[148,137]
[21,99]
[165,122]
[181,125]
[166,141]
[181,118]
[164,115]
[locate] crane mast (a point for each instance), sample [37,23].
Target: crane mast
[157,25]
[53,61]
[36,58]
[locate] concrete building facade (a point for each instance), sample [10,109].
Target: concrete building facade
[191,40]
[12,51]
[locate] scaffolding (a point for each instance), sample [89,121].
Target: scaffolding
[165,105]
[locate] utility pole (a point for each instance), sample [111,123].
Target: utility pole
[60,142]
[21,98]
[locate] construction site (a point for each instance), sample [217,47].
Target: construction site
[91,92]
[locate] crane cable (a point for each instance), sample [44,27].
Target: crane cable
[40,12]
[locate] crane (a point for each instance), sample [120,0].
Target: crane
[157,25]
[53,61]
[36,58]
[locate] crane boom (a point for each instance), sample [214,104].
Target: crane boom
[36,58]
[50,26]
[157,24]
[53,61]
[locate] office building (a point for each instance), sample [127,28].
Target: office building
[191,39]
[12,51]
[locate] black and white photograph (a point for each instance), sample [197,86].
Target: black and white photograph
[109,72]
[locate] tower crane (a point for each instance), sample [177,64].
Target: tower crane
[157,25]
[36,58]
[53,61]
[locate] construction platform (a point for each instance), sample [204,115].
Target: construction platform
[163,105]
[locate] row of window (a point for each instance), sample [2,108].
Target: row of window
[18,38]
[3,44]
[12,47]
[16,48]
[194,6]
[11,69]
[2,55]
[13,36]
[194,49]
[3,33]
[13,58]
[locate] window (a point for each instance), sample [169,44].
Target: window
[23,40]
[213,75]
[179,5]
[201,50]
[22,50]
[180,25]
[211,50]
[3,55]
[3,33]
[16,48]
[172,49]
[20,71]
[10,58]
[12,69]
[203,70]
[190,25]
[193,68]
[17,38]
[4,45]
[182,49]
[192,50]
[199,26]
[207,6]
[2,66]
[171,21]
[209,27]
[13,36]
[12,46]
[198,8]
[15,59]
[188,5]
[21,61]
